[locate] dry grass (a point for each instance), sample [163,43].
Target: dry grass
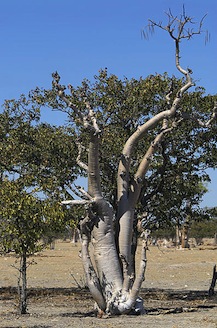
[175,291]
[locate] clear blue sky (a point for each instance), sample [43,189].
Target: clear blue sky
[78,37]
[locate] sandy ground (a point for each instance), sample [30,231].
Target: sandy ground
[175,291]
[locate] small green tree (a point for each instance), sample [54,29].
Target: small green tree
[24,220]
[36,164]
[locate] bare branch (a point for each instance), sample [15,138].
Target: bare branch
[91,116]
[61,93]
[76,202]
[89,121]
[126,277]
[78,159]
[140,277]
[178,29]
[201,123]
[213,116]
[75,191]
[124,165]
[84,193]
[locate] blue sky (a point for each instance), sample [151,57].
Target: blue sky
[77,38]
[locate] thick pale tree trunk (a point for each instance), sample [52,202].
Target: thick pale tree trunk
[109,277]
[106,259]
[105,252]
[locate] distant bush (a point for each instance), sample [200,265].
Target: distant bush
[203,229]
[198,230]
[168,233]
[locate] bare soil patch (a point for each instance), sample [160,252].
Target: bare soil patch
[175,291]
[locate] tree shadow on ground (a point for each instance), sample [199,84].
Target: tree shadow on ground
[79,314]
[37,326]
[156,301]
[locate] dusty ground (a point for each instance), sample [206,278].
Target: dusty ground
[175,291]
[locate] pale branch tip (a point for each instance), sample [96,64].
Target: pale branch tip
[78,159]
[92,118]
[206,124]
[76,202]
[56,77]
[84,193]
[89,121]
[164,124]
[177,27]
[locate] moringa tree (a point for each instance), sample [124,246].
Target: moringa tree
[108,226]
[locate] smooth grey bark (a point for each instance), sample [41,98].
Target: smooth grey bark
[110,277]
[102,234]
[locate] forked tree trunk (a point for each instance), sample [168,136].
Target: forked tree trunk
[112,283]
[114,291]
[110,275]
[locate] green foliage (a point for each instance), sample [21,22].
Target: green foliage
[36,154]
[25,219]
[177,173]
[203,229]
[37,164]
[168,233]
[42,158]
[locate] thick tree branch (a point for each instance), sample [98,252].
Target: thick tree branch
[160,171]
[126,276]
[124,165]
[144,166]
[90,123]
[94,185]
[92,118]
